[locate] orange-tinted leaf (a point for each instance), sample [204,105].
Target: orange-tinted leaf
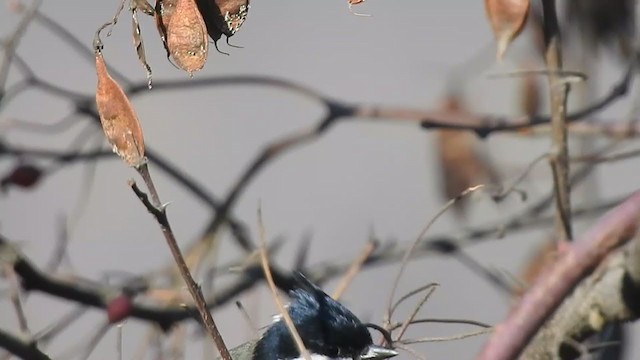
[461,164]
[506,17]
[119,120]
[187,37]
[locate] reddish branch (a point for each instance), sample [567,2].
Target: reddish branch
[553,285]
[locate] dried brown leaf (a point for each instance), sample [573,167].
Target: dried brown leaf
[461,165]
[187,40]
[506,17]
[119,120]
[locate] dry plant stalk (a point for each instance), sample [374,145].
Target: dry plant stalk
[274,291]
[187,40]
[507,18]
[119,120]
[353,270]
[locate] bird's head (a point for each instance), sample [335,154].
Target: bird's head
[328,329]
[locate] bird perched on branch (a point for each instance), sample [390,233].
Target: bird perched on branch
[327,328]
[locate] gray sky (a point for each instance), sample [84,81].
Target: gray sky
[358,177]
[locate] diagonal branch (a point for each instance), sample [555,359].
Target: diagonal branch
[553,285]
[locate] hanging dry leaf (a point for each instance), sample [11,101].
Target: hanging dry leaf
[163,11]
[506,17]
[119,120]
[187,36]
[461,164]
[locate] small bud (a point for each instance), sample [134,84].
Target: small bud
[506,17]
[119,120]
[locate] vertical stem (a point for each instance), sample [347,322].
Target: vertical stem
[559,91]
[194,288]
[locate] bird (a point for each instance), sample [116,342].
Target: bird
[327,328]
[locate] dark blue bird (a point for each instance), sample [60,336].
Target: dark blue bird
[327,328]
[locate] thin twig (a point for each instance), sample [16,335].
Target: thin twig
[11,43]
[409,295]
[447,338]
[410,250]
[443,321]
[414,313]
[559,91]
[159,212]
[14,284]
[274,291]
[353,270]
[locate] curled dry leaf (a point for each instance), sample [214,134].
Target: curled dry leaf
[506,17]
[119,120]
[461,164]
[187,36]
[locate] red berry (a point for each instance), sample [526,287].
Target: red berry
[24,176]
[119,308]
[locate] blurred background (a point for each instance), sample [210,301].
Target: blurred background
[360,180]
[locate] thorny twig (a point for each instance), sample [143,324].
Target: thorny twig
[158,210]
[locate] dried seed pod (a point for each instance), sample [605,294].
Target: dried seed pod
[506,17]
[187,36]
[163,11]
[119,120]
